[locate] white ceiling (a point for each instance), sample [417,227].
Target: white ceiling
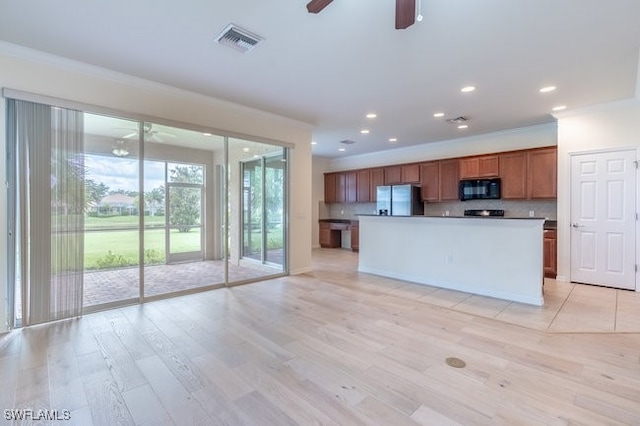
[332,68]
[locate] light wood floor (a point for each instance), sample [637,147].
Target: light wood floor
[335,348]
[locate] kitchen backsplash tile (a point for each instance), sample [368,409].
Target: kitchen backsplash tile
[350,210]
[512,208]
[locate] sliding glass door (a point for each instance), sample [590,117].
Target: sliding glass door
[263,208]
[106,211]
[112,216]
[182,234]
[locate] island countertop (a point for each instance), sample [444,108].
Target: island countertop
[499,257]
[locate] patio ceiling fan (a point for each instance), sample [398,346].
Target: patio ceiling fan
[150,134]
[405,11]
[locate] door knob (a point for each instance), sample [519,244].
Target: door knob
[577,225]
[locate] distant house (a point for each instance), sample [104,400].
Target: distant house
[117,204]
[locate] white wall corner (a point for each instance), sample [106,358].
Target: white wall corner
[300,271]
[638,77]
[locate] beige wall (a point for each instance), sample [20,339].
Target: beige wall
[602,127]
[42,74]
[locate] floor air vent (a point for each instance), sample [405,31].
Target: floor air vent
[238,38]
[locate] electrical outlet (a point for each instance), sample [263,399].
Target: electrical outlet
[532,213]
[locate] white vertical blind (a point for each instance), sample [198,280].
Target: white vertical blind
[49,186]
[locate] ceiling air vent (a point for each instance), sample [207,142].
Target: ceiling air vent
[238,38]
[458,120]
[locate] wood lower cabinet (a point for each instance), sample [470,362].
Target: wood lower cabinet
[355,236]
[331,233]
[550,255]
[329,238]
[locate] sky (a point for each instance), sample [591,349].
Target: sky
[122,173]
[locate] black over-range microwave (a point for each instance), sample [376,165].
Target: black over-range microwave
[480,189]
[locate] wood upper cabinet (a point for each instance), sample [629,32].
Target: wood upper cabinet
[330,185]
[542,173]
[430,181]
[478,167]
[376,177]
[529,174]
[363,186]
[393,175]
[513,175]
[350,187]
[526,174]
[449,176]
[410,173]
[341,188]
[440,180]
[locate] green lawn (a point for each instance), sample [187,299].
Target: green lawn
[104,249]
[100,222]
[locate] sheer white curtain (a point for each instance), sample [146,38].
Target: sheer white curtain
[47,199]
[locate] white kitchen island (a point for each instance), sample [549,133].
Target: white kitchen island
[497,257]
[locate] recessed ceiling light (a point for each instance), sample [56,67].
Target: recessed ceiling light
[246,149]
[342,149]
[467,89]
[393,140]
[438,114]
[462,126]
[207,134]
[547,89]
[314,143]
[372,115]
[559,107]
[364,131]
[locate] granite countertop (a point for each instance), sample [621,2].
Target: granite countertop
[338,220]
[548,224]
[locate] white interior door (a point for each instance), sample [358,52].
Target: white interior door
[603,218]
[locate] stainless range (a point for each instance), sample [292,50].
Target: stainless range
[479,212]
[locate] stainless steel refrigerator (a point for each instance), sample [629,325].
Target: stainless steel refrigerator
[399,200]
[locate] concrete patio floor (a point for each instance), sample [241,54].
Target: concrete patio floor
[107,286]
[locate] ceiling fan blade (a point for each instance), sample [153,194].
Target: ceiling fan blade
[405,13]
[315,6]
[130,135]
